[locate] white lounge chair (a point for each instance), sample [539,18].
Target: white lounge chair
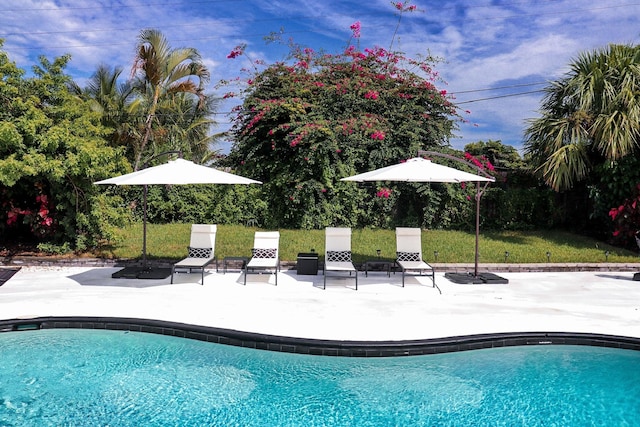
[265,254]
[409,253]
[202,250]
[337,255]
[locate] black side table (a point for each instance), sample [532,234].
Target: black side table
[234,259]
[386,266]
[307,264]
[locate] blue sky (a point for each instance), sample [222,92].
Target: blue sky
[492,50]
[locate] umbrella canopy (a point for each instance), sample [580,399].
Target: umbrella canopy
[178,172]
[175,172]
[418,170]
[423,170]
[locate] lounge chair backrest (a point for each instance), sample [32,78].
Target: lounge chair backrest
[203,236]
[409,240]
[337,239]
[267,242]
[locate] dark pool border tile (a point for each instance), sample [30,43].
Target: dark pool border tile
[324,347]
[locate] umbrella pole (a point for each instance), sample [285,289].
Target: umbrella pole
[475,270]
[144,227]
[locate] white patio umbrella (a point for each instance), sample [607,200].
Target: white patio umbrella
[175,172]
[178,172]
[419,169]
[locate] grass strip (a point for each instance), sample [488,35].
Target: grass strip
[170,241]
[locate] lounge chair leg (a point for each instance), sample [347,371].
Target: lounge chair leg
[324,273]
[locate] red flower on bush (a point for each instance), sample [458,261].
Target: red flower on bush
[372,94]
[626,218]
[384,193]
[482,163]
[379,135]
[38,217]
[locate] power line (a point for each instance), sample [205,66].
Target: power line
[498,88]
[500,96]
[456,103]
[216,37]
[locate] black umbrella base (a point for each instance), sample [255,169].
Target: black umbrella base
[142,273]
[481,278]
[7,273]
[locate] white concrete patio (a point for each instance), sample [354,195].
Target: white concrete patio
[585,302]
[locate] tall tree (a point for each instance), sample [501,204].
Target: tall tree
[590,116]
[52,148]
[162,73]
[316,118]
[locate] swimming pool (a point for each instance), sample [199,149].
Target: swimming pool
[98,378]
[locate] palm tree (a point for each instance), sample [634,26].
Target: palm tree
[115,101]
[161,73]
[184,125]
[590,116]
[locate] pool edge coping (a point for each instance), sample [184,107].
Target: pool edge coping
[319,347]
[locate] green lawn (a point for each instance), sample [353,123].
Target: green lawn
[169,241]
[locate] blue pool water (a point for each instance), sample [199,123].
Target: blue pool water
[110,378]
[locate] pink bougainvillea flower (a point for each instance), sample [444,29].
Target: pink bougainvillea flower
[355,27]
[384,193]
[235,52]
[12,217]
[372,94]
[379,135]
